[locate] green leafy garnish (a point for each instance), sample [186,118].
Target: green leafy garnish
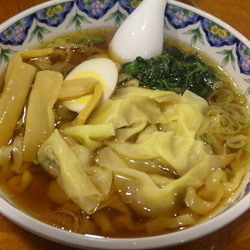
[95,38]
[173,71]
[206,140]
[35,161]
[228,171]
[48,161]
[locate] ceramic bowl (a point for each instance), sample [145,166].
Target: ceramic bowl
[222,43]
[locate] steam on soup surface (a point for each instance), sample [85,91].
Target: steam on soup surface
[161,154]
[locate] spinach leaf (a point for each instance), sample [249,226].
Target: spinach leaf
[174,71]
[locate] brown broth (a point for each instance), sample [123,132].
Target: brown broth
[35,201]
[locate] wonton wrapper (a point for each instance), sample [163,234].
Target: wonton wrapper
[150,125]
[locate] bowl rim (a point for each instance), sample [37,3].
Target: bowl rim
[76,240]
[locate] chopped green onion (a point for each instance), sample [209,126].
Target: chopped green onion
[47,160]
[60,40]
[35,161]
[95,38]
[206,140]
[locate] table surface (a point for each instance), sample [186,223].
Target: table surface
[233,236]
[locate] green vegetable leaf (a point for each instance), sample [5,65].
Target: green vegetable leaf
[206,140]
[48,161]
[95,38]
[35,162]
[174,71]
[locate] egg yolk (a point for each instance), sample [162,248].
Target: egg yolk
[86,74]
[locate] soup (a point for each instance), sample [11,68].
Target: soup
[96,147]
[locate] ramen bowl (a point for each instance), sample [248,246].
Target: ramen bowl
[224,45]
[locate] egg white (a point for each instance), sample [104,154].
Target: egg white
[102,69]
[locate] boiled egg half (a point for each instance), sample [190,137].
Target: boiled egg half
[102,69]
